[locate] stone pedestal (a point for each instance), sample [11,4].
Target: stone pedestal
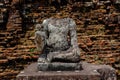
[89,72]
[59,66]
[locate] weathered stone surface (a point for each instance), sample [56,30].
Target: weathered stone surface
[58,66]
[89,72]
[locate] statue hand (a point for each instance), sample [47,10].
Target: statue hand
[76,54]
[38,27]
[76,51]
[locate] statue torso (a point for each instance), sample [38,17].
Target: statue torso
[58,33]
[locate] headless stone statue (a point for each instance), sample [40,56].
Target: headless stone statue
[57,39]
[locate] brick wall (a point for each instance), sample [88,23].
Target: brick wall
[97,29]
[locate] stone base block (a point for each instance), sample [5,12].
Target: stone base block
[58,66]
[89,72]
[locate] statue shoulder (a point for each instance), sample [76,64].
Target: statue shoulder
[45,22]
[43,26]
[72,22]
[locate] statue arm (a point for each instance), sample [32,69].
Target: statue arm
[73,37]
[41,35]
[73,34]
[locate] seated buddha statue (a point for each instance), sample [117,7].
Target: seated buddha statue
[56,38]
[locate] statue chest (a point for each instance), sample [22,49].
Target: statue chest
[58,26]
[57,29]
